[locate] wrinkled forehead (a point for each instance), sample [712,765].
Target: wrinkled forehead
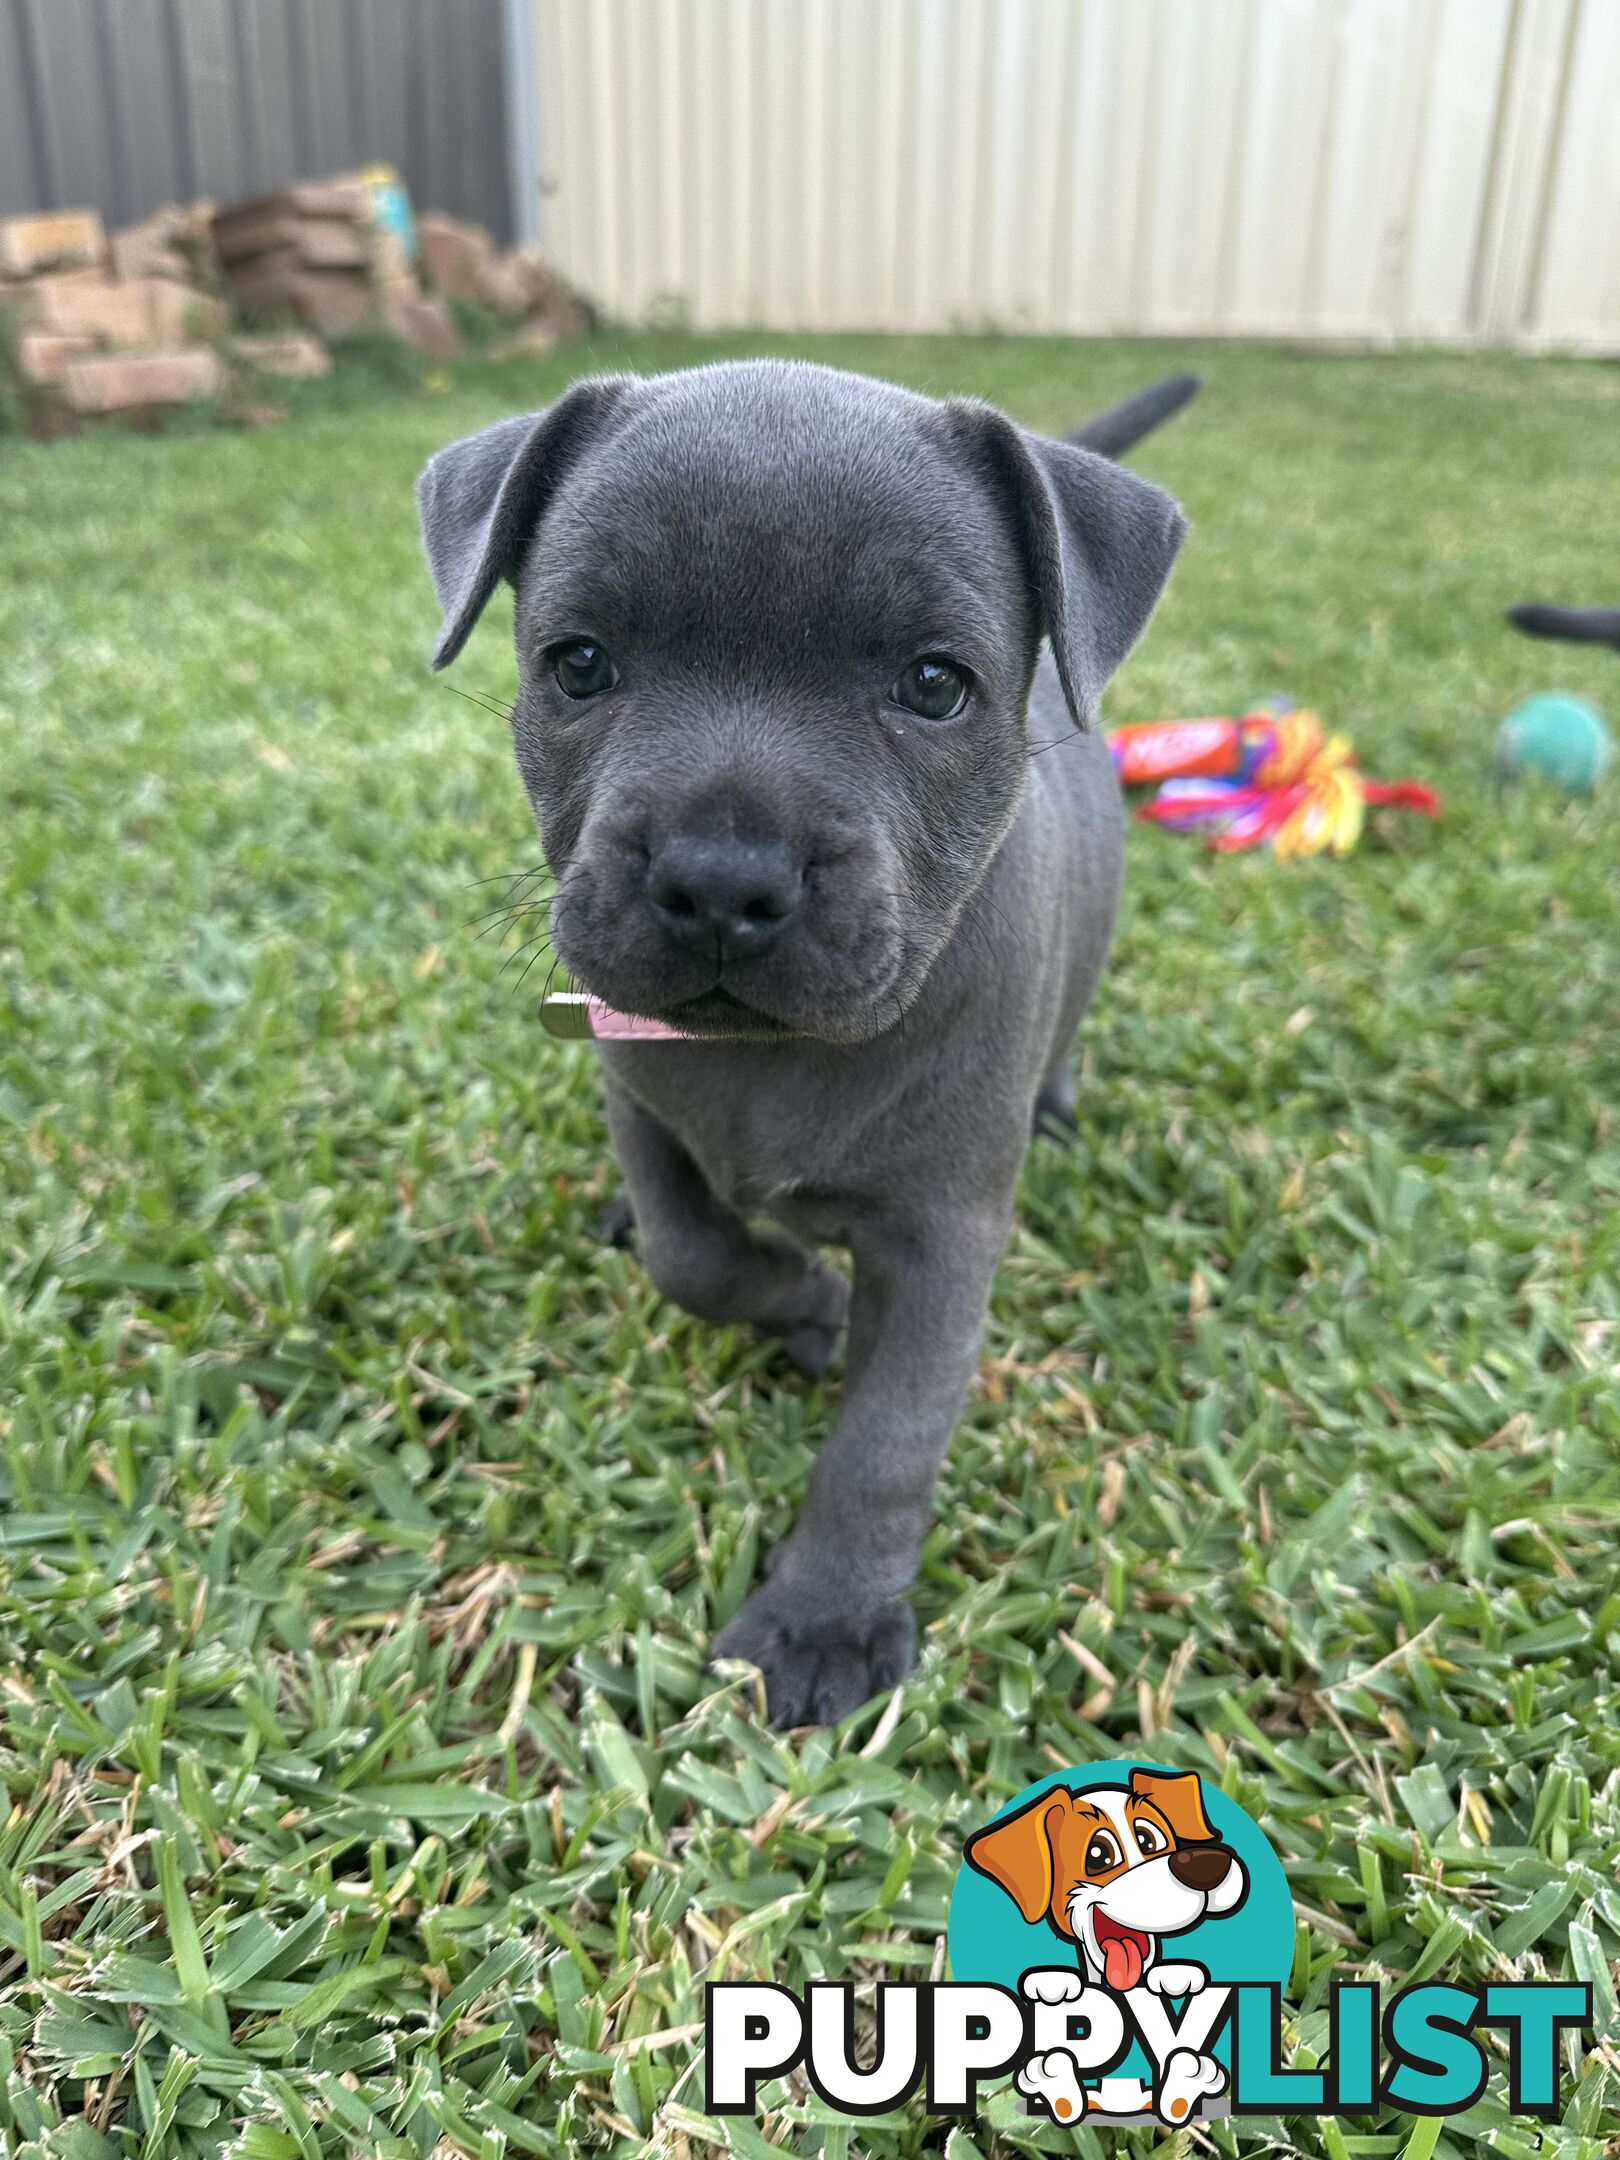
[761,522]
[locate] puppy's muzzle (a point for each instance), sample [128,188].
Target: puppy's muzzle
[1200,1867]
[722,895]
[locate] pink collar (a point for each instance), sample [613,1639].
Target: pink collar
[575,1016]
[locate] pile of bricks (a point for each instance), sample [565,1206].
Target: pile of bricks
[145,318]
[318,254]
[117,325]
[105,340]
[462,263]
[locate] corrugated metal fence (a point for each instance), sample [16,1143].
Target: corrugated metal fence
[127,104]
[1360,169]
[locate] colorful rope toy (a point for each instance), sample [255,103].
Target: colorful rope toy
[1272,774]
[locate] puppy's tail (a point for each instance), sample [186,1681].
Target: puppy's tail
[1581,626]
[1114,432]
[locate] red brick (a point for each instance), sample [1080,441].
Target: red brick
[290,355]
[144,253]
[350,199]
[240,238]
[55,237]
[16,290]
[328,244]
[546,296]
[172,243]
[131,382]
[43,357]
[343,197]
[426,324]
[321,243]
[19,297]
[330,302]
[179,315]
[128,314]
[257,273]
[456,257]
[73,307]
[503,284]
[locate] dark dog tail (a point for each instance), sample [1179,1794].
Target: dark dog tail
[1581,626]
[1114,432]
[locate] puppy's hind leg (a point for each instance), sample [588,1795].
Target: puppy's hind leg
[616,1224]
[705,1258]
[1054,1117]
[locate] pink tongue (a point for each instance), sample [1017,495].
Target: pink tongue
[1122,1964]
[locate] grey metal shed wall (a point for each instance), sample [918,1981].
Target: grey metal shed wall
[126,104]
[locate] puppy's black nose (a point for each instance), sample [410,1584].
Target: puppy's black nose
[719,894]
[1200,1867]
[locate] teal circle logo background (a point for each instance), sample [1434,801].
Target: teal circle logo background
[989,1939]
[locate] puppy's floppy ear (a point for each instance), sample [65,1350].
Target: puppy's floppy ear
[480,498]
[1099,542]
[1179,1798]
[1017,1852]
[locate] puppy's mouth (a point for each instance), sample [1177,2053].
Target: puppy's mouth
[1124,1951]
[718,1014]
[842,972]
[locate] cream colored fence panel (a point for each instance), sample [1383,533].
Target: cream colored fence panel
[1343,169]
[1574,289]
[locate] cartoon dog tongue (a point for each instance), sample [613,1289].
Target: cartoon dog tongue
[1122,1962]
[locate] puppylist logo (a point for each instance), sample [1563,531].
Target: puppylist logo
[1125,1882]
[1120,1938]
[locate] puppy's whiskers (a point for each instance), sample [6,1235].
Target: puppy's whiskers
[520,903]
[1058,741]
[509,911]
[511,877]
[487,704]
[517,916]
[545,988]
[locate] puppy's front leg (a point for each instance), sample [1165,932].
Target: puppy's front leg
[704,1257]
[828,1628]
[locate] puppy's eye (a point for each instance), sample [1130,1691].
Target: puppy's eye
[1101,1853]
[933,688]
[582,668]
[1150,1839]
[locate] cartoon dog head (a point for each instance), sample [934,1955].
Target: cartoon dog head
[1114,1870]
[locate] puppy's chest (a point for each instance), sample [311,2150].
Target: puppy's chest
[763,1141]
[749,1161]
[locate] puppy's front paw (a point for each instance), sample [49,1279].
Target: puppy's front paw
[818,1665]
[810,1338]
[1053,1984]
[1175,1979]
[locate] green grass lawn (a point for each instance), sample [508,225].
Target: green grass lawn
[364,1521]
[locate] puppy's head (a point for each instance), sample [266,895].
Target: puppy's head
[776,627]
[1114,1870]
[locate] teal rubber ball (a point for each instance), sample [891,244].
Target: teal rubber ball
[1561,737]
